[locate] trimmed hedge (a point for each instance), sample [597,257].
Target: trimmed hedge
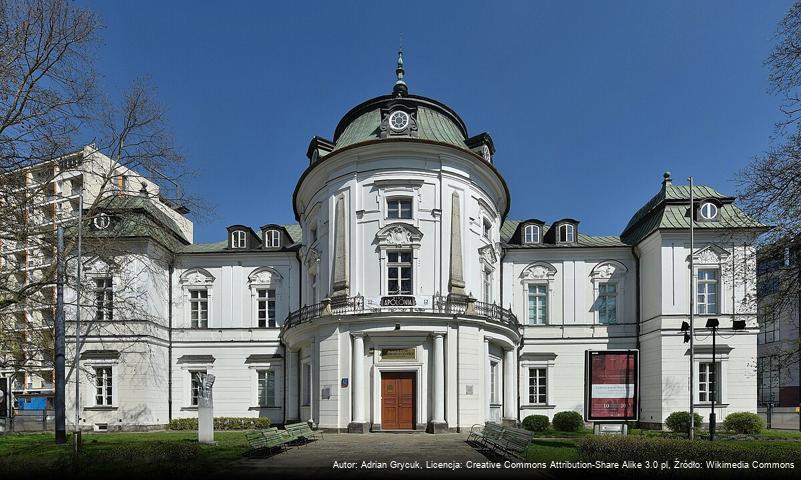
[536,423]
[621,449]
[744,423]
[569,421]
[680,422]
[223,423]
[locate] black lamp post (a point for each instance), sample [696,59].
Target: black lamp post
[712,324]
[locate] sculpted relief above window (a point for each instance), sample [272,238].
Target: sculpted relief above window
[398,234]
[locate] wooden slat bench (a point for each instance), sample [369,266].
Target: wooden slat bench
[514,442]
[302,431]
[266,440]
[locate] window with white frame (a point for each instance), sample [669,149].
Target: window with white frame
[707,291]
[272,239]
[486,285]
[707,376]
[494,387]
[768,331]
[306,385]
[199,308]
[399,272]
[769,382]
[103,387]
[537,386]
[537,304]
[607,303]
[531,234]
[566,233]
[104,298]
[196,381]
[266,388]
[265,307]
[238,239]
[399,208]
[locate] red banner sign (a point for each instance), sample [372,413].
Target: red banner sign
[611,386]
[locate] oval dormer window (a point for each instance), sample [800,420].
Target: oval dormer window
[238,239]
[398,120]
[709,211]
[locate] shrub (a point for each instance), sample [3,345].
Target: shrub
[744,423]
[223,423]
[536,423]
[568,421]
[642,449]
[680,422]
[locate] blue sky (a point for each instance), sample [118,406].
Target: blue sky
[587,102]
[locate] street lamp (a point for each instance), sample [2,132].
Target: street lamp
[713,324]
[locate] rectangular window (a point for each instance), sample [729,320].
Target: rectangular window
[768,379]
[537,386]
[272,238]
[399,208]
[531,234]
[266,308]
[707,376]
[103,386]
[238,239]
[707,289]
[566,233]
[266,388]
[196,378]
[494,397]
[399,273]
[768,331]
[199,308]
[537,304]
[104,299]
[486,285]
[306,385]
[487,231]
[607,303]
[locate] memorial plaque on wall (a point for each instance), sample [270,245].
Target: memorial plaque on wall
[398,354]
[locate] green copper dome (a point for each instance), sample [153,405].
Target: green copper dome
[434,121]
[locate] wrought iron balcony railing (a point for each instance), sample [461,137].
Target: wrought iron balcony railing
[437,304]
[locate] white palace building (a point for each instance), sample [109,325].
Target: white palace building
[404,298]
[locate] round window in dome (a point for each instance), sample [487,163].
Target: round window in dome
[709,211]
[398,120]
[102,221]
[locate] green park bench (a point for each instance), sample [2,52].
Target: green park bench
[514,442]
[302,431]
[266,440]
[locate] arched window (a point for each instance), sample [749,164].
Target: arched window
[708,211]
[238,239]
[566,233]
[531,234]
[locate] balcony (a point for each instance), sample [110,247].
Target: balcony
[436,304]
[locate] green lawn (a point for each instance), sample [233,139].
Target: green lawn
[175,454]
[544,450]
[550,433]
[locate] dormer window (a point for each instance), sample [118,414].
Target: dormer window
[567,233]
[272,239]
[708,211]
[531,234]
[399,208]
[238,239]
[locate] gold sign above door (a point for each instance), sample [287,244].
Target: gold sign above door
[398,354]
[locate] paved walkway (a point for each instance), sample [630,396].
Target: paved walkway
[377,455]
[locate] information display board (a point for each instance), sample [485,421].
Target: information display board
[611,385]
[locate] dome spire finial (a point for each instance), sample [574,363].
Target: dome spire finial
[400,89]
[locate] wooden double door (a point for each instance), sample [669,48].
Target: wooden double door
[397,400]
